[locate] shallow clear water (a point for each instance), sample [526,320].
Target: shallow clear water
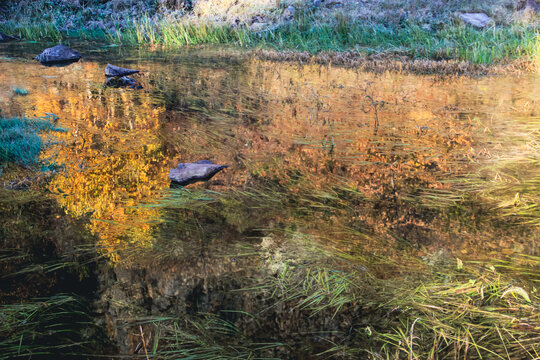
[381,173]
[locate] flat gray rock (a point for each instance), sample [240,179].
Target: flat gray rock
[188,173]
[479,20]
[117,71]
[59,54]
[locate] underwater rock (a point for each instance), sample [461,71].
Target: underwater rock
[188,173]
[124,81]
[117,71]
[6,38]
[58,55]
[479,20]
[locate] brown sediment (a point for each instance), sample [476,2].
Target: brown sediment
[383,62]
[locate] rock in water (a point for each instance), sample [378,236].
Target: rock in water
[479,20]
[6,38]
[188,173]
[57,55]
[117,71]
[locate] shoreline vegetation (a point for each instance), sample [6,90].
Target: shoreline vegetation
[344,32]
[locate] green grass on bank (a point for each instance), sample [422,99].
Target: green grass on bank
[306,33]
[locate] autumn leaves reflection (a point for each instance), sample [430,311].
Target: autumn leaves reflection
[361,161]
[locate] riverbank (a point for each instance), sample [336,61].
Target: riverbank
[408,30]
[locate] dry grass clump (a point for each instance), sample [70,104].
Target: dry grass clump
[230,11]
[421,11]
[379,63]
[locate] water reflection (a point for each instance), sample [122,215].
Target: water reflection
[366,165]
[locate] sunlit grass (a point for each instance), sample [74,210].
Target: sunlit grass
[308,34]
[467,310]
[474,312]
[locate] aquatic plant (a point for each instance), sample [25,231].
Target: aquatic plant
[468,310]
[20,141]
[202,336]
[46,258]
[20,91]
[42,326]
[474,312]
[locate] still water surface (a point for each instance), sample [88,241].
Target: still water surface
[380,173]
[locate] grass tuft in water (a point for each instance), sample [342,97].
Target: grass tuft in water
[204,336]
[464,311]
[20,142]
[473,313]
[41,327]
[20,91]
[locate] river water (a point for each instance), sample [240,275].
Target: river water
[387,175]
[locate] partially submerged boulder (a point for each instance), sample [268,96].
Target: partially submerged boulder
[118,77]
[6,38]
[479,20]
[117,71]
[58,55]
[189,173]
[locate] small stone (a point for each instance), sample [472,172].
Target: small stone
[112,70]
[188,173]
[479,20]
[334,4]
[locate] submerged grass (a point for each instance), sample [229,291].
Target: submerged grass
[466,311]
[20,141]
[42,327]
[201,336]
[471,313]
